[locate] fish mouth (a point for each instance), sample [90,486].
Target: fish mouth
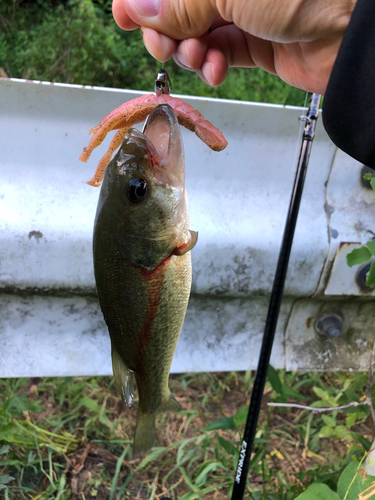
[163,131]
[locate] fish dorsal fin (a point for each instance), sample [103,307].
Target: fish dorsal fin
[188,246]
[124,378]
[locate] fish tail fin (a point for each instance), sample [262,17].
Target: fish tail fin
[144,438]
[124,378]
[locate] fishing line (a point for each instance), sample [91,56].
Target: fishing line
[300,129]
[240,479]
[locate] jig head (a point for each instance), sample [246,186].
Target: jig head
[162,83]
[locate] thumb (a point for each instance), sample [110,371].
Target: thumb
[178,19]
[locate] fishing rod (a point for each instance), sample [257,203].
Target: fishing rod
[275,301]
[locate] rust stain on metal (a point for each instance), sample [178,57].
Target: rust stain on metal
[349,243]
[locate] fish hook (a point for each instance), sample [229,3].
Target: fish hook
[162,83]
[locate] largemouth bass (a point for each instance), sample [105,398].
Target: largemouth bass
[142,243]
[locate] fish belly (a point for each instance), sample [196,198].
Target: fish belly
[144,312]
[157,342]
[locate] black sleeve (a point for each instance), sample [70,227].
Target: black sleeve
[349,102]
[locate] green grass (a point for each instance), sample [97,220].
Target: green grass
[71,438]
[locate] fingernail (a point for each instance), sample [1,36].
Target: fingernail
[182,55]
[208,72]
[159,46]
[145,8]
[149,46]
[182,60]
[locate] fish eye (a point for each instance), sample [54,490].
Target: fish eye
[138,190]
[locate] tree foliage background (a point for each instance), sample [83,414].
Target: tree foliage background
[77,41]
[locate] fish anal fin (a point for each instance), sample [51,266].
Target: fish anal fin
[183,249]
[124,378]
[171,404]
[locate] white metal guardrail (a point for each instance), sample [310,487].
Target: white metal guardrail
[50,322]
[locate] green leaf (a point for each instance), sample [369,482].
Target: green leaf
[228,447]
[371,275]
[221,423]
[261,441]
[372,182]
[181,450]
[189,496]
[346,479]
[362,440]
[201,479]
[371,246]
[151,456]
[188,481]
[343,433]
[351,482]
[274,379]
[257,457]
[358,256]
[351,420]
[326,431]
[93,405]
[331,421]
[5,478]
[117,472]
[314,443]
[241,416]
[361,414]
[4,449]
[8,432]
[367,177]
[318,491]
[289,392]
[90,404]
[321,393]
[76,387]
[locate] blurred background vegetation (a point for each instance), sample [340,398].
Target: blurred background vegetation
[77,41]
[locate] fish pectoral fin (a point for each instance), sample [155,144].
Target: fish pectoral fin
[188,246]
[170,405]
[124,378]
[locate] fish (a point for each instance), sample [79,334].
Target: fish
[142,264]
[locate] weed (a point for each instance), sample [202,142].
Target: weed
[65,437]
[365,253]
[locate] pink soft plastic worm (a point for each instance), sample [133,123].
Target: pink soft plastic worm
[136,111]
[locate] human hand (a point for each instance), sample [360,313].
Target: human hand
[297,40]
